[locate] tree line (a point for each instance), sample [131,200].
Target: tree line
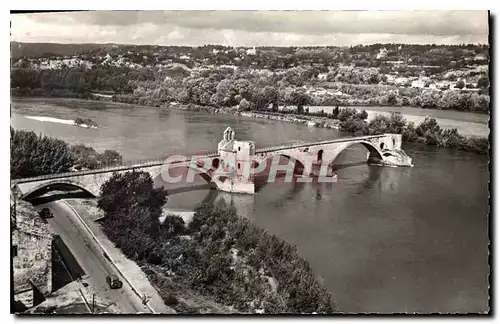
[226,87]
[34,155]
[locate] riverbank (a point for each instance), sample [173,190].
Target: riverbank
[469,131]
[414,129]
[467,128]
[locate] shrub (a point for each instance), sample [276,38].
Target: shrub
[363,114]
[173,225]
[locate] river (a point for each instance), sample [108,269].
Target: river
[382,239]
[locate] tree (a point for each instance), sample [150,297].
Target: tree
[298,98]
[392,99]
[347,113]
[131,189]
[430,130]
[450,99]
[429,99]
[354,124]
[244,105]
[270,95]
[335,112]
[382,124]
[483,82]
[110,157]
[32,155]
[363,114]
[451,138]
[460,84]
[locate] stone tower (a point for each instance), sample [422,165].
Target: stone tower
[236,161]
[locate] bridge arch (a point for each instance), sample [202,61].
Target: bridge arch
[167,172]
[375,152]
[57,184]
[298,164]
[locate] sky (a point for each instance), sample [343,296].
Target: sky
[253,28]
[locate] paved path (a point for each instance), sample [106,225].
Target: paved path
[126,266]
[68,226]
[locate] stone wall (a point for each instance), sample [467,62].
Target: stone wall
[32,252]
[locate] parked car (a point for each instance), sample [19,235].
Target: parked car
[46,213]
[114,282]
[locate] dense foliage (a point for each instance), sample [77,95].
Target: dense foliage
[218,254]
[85,121]
[85,157]
[226,87]
[33,155]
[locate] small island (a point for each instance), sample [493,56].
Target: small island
[85,122]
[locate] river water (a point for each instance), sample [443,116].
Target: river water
[382,239]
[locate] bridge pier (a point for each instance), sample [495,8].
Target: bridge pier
[236,165]
[390,152]
[322,169]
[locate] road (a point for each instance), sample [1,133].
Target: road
[79,241]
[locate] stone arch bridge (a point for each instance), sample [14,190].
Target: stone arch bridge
[232,168]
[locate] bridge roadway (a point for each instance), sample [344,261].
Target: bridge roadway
[161,161]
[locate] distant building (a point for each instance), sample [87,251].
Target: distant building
[382,53]
[395,62]
[322,76]
[418,84]
[251,51]
[401,81]
[443,85]
[31,254]
[390,79]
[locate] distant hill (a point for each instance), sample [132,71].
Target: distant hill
[35,50]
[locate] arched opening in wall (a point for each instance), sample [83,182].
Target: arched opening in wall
[393,142]
[184,177]
[320,155]
[356,154]
[282,165]
[296,167]
[382,146]
[55,191]
[215,163]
